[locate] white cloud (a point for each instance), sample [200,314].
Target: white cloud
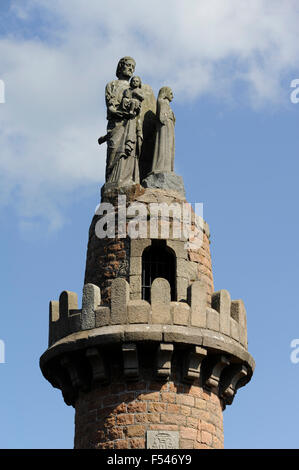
[55,78]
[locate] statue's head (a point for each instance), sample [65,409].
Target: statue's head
[135,82]
[165,92]
[125,68]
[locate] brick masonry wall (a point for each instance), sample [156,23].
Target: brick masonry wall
[108,258]
[117,416]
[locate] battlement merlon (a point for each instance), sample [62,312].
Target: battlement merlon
[226,316]
[215,336]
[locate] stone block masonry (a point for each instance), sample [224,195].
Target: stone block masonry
[110,258]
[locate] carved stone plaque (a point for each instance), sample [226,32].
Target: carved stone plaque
[162,440]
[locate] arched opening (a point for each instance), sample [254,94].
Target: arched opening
[158,260]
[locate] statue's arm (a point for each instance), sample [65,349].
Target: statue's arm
[113,106]
[111,101]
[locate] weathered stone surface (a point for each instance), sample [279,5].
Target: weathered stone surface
[91,300]
[138,311]
[197,297]
[99,373]
[73,324]
[238,312]
[138,246]
[214,371]
[165,180]
[222,303]
[120,292]
[54,322]
[181,288]
[135,287]
[233,375]
[160,301]
[234,329]
[135,265]
[178,246]
[164,354]
[73,371]
[143,333]
[162,439]
[182,334]
[213,322]
[161,314]
[54,311]
[160,195]
[102,316]
[66,315]
[192,363]
[67,301]
[105,335]
[160,291]
[180,312]
[187,269]
[130,358]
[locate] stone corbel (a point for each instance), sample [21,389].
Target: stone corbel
[192,364]
[214,370]
[72,371]
[130,358]
[96,362]
[59,378]
[232,380]
[164,355]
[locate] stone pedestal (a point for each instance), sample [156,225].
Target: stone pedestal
[165,180]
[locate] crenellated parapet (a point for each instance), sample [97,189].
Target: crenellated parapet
[186,338]
[226,316]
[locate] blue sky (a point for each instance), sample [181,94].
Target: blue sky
[230,67]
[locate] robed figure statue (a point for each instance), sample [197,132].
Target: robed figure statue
[163,159]
[131,107]
[122,128]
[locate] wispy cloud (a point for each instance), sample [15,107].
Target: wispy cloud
[57,57]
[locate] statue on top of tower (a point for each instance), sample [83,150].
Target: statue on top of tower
[163,159]
[130,109]
[121,165]
[140,133]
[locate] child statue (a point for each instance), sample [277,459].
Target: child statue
[133,97]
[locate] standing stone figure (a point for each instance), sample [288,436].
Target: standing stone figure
[133,97]
[121,164]
[163,160]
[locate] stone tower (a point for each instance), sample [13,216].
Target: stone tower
[154,355]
